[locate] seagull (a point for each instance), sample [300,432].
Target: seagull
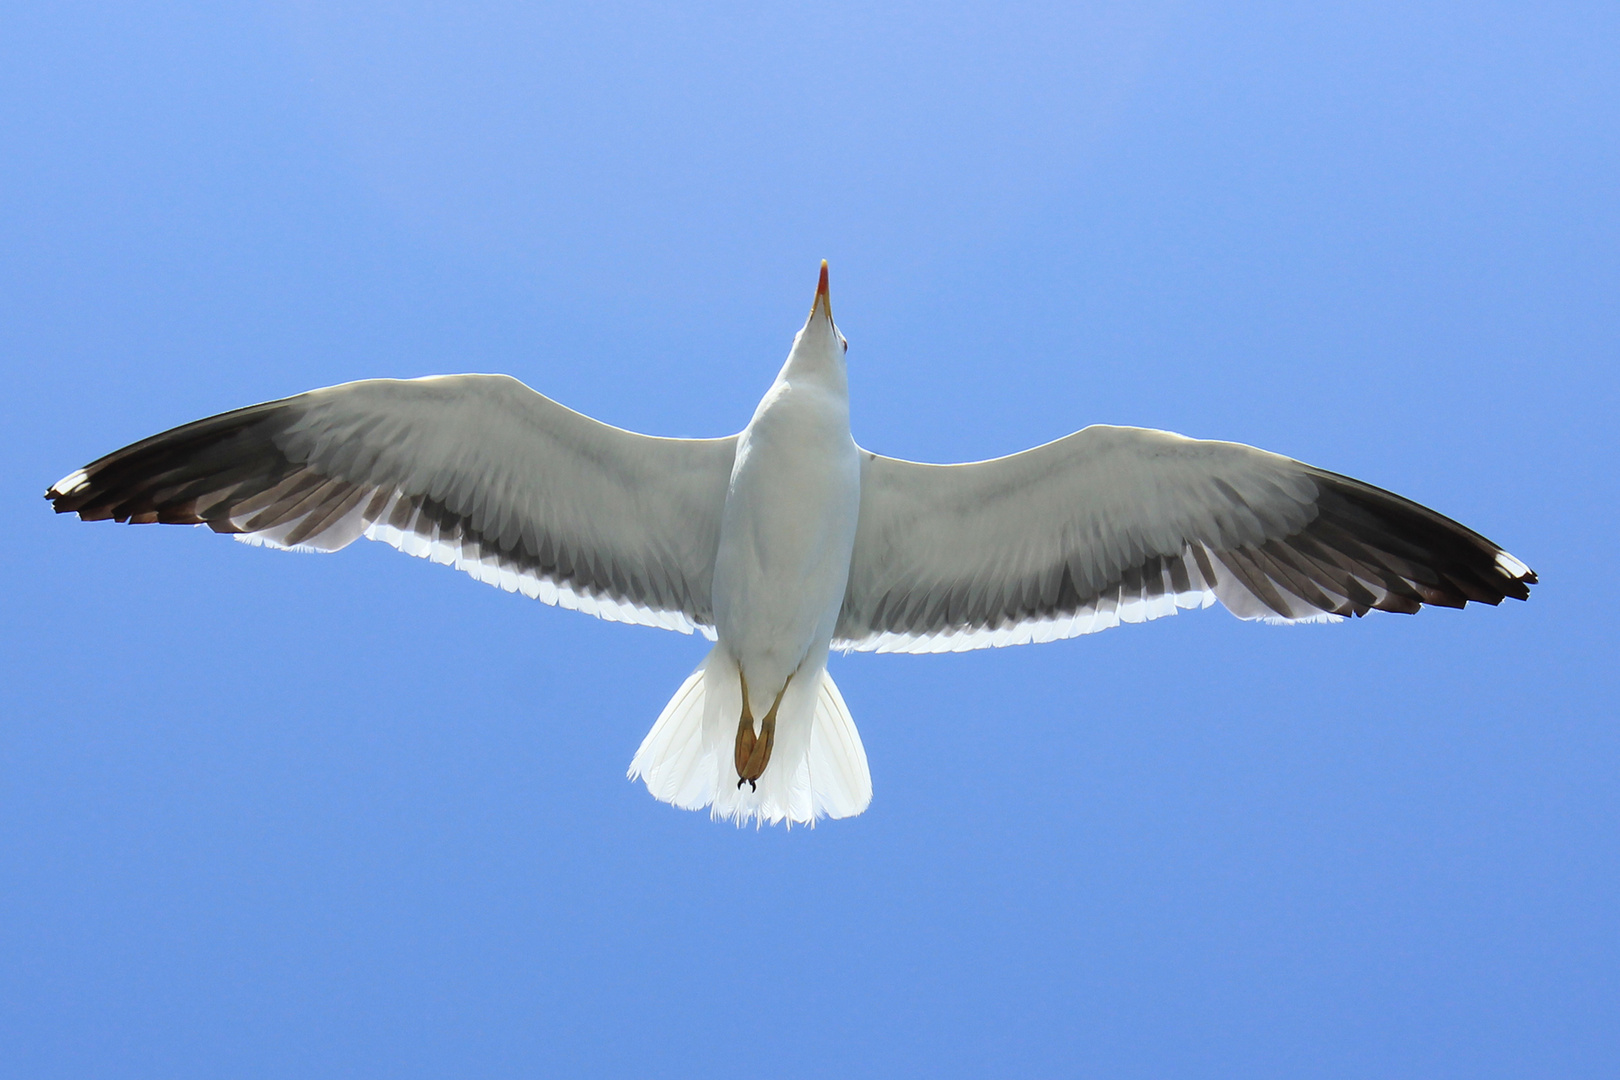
[789,541]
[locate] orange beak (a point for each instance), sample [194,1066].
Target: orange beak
[823,300]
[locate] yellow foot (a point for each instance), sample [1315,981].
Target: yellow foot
[753,751]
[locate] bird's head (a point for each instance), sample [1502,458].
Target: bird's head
[820,342]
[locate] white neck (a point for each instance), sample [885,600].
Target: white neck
[817,358]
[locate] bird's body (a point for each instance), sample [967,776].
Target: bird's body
[781,569]
[788,541]
[788,526]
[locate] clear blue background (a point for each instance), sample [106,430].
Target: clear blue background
[267,815]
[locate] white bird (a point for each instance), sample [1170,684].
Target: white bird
[788,540]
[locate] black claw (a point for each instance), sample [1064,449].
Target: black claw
[740,783]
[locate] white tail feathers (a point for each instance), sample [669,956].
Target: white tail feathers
[817,768]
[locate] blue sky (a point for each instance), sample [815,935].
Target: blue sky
[275,815]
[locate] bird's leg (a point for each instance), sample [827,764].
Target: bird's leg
[753,752]
[745,735]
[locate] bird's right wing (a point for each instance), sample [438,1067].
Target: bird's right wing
[477,471]
[1116,524]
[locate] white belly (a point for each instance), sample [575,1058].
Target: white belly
[786,536]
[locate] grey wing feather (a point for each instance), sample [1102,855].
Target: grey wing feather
[1116,524]
[477,471]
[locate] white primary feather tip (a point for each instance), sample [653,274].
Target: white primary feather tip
[71,484]
[1511,566]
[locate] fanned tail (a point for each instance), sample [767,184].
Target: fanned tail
[818,768]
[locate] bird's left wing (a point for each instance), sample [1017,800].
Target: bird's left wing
[477,471]
[1116,524]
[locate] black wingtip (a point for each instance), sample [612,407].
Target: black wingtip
[1448,563]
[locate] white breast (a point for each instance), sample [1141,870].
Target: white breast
[787,532]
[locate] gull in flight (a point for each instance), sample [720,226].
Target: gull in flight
[788,541]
